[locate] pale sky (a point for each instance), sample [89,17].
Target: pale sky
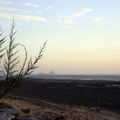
[83,35]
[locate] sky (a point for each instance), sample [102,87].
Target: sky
[83,35]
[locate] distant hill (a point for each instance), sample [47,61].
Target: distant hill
[51,73]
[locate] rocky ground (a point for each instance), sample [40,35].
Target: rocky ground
[61,112]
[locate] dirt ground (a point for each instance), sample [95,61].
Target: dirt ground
[67,112]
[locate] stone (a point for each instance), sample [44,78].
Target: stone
[59,117]
[27,110]
[26,118]
[40,116]
[4,116]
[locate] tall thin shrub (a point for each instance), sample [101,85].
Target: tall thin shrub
[10,61]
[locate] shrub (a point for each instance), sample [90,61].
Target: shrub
[10,61]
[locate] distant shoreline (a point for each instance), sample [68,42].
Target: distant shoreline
[78,77]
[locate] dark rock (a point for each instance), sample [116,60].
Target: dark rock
[40,116]
[11,111]
[4,116]
[59,118]
[27,110]
[4,105]
[26,118]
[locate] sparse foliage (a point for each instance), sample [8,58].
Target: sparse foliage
[10,60]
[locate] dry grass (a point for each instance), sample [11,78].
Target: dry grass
[68,113]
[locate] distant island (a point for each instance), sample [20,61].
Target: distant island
[51,73]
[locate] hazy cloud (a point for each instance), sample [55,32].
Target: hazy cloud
[48,7]
[39,11]
[101,20]
[69,19]
[65,27]
[111,23]
[6,9]
[5,2]
[68,27]
[31,5]
[98,19]
[26,12]
[22,17]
